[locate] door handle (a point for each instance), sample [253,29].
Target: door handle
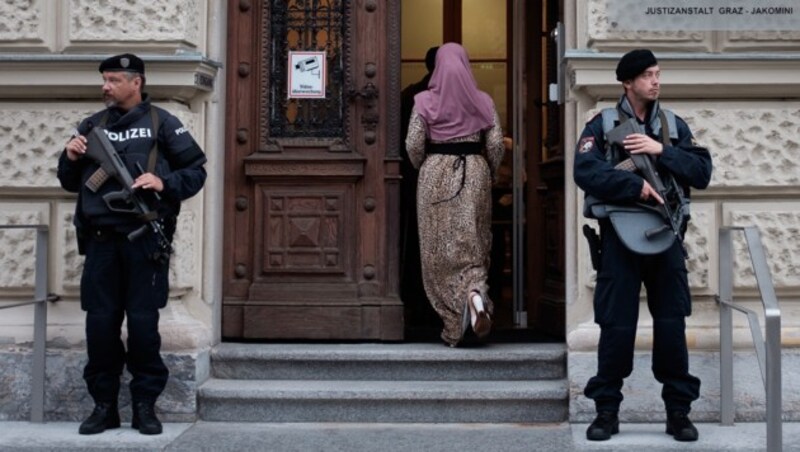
[369,116]
[369,92]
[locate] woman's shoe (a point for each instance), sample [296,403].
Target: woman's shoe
[482,323]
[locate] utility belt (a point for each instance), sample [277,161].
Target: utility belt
[106,233]
[155,240]
[462,150]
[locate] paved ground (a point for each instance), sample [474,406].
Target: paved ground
[211,436]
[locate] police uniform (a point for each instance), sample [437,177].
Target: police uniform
[120,276]
[622,272]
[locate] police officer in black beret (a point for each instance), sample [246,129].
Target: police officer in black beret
[122,276]
[621,271]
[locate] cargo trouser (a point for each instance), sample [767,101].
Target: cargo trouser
[616,310]
[119,281]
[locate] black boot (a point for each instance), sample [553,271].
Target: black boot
[144,418]
[680,427]
[104,416]
[604,425]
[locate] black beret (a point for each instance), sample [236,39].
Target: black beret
[127,62]
[634,63]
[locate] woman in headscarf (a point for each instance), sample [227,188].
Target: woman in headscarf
[455,139]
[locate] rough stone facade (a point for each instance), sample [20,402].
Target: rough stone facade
[67,398]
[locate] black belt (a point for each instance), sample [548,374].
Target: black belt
[462,150]
[103,233]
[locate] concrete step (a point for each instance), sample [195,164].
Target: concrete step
[383,401]
[377,437]
[388,362]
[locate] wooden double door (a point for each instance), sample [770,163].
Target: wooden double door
[313,186]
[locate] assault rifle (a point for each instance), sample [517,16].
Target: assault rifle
[643,163]
[102,152]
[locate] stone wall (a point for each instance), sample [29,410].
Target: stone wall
[66,398]
[81,25]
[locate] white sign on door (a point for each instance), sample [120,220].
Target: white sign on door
[307,74]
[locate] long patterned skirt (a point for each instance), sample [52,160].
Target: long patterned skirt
[455,235]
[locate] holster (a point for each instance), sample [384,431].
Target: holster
[594,246]
[80,237]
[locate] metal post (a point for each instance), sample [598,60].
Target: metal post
[518,171]
[772,320]
[774,398]
[727,412]
[39,327]
[40,299]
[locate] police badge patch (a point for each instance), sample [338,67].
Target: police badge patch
[585,145]
[124,62]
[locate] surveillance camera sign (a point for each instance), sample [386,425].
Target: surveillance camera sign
[307,74]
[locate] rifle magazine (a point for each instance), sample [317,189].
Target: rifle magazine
[96,180]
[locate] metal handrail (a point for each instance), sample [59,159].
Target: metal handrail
[40,297]
[768,351]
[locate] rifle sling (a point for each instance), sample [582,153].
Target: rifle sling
[664,124]
[153,157]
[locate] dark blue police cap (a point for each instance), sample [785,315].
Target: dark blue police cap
[127,62]
[634,63]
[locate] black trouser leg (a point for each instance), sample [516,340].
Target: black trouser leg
[669,303]
[146,293]
[614,364]
[144,358]
[106,355]
[616,306]
[102,301]
[671,365]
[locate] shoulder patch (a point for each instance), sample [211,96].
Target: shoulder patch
[585,145]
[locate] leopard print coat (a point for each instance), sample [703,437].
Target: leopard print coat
[455,235]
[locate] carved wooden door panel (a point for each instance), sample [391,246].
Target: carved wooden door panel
[311,186]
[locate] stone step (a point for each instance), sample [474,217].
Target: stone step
[388,362]
[383,401]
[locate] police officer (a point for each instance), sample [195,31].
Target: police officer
[123,277]
[621,272]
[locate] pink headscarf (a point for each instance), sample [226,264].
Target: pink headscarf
[453,106]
